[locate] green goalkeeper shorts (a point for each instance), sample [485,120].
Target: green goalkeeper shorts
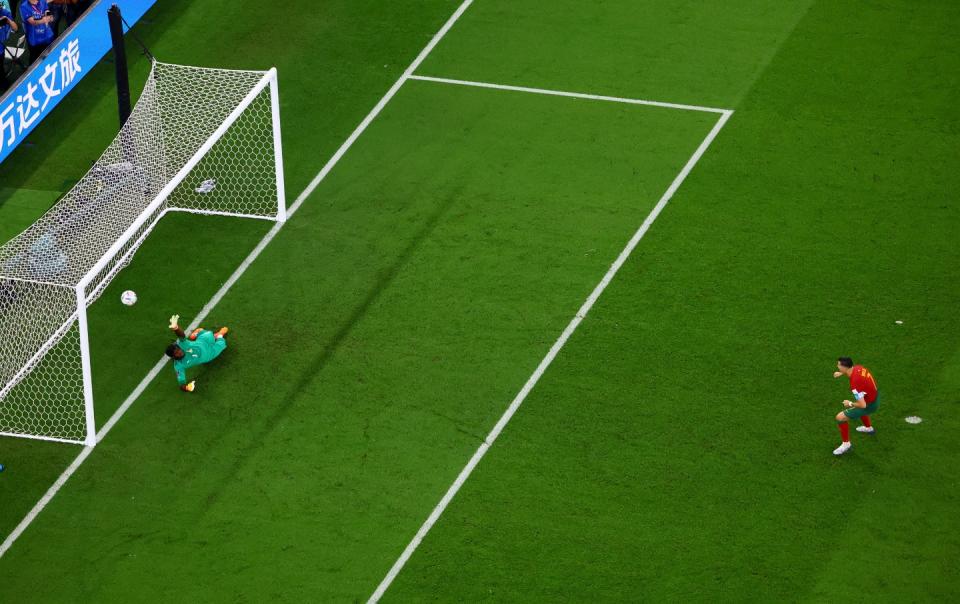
[857,412]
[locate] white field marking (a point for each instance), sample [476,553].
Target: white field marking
[386,98]
[58,484]
[545,363]
[575,95]
[54,488]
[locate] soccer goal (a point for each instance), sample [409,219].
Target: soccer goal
[198,140]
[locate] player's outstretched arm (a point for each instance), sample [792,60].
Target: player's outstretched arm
[175,326]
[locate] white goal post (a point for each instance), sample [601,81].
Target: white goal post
[198,140]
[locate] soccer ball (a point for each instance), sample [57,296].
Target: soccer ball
[129,297]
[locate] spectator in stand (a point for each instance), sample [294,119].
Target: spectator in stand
[36,18]
[63,10]
[7,24]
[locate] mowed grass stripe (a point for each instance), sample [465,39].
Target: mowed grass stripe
[554,350]
[704,54]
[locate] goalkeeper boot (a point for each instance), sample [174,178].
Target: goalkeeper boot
[221,332]
[195,333]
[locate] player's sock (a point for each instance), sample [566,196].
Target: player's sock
[844,431]
[866,421]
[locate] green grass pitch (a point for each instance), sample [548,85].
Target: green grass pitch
[677,449]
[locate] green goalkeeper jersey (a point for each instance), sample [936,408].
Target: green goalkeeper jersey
[202,350]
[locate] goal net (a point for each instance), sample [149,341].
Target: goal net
[198,140]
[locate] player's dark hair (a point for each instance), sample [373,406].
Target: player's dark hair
[846,362]
[172,350]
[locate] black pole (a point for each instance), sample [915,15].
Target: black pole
[120,62]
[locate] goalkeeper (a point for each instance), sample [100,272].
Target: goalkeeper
[200,347]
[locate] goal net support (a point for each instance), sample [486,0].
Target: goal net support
[198,140]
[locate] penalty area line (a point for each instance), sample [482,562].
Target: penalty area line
[574,95]
[209,306]
[545,363]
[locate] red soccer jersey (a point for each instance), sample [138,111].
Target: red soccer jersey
[861,380]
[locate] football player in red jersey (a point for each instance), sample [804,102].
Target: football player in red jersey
[866,401]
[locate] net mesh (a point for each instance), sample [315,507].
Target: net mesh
[40,365]
[245,153]
[199,140]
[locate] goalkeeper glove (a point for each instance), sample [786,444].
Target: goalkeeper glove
[174,321]
[191,386]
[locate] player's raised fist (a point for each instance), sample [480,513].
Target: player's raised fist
[837,374]
[174,321]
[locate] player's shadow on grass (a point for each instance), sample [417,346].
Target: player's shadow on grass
[311,370]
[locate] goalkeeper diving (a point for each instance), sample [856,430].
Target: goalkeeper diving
[198,348]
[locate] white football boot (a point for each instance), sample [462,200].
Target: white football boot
[843,448]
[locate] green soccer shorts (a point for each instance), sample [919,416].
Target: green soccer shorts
[858,412]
